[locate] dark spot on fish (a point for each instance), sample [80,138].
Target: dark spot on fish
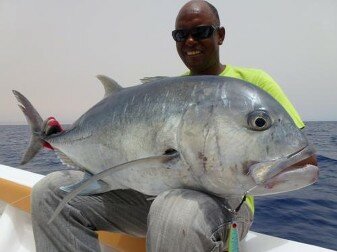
[184,232]
[234,168]
[204,159]
[267,149]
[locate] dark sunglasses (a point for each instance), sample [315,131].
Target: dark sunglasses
[197,33]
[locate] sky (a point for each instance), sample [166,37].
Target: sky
[51,51]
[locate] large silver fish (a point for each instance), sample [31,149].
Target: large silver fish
[215,134]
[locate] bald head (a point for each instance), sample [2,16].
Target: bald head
[197,7]
[198,36]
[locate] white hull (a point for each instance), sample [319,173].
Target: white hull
[16,228]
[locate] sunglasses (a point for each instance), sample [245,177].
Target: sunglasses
[197,33]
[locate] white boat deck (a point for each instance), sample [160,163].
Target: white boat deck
[16,229]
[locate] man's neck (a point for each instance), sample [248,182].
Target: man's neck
[211,71]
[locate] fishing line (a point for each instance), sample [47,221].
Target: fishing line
[16,201]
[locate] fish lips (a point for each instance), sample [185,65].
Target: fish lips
[262,172]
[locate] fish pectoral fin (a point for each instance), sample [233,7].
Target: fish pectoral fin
[160,162]
[95,187]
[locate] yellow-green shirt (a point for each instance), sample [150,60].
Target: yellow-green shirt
[265,82]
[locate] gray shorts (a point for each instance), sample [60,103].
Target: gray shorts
[176,220]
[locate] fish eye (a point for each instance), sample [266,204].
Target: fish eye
[259,120]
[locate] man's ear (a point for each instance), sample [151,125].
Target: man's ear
[221,33]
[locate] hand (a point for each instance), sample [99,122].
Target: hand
[50,126]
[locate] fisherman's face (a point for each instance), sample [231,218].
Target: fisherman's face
[199,55]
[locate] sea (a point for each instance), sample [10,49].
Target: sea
[308,215]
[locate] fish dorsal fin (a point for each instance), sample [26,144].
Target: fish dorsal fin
[110,85]
[152,79]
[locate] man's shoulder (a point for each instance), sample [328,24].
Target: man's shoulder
[242,70]
[253,75]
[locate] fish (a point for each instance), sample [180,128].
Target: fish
[220,135]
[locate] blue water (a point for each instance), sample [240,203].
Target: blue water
[308,215]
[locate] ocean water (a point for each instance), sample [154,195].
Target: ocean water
[308,215]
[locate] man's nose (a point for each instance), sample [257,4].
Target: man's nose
[190,40]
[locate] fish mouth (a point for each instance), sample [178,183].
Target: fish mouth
[264,171]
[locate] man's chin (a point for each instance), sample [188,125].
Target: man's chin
[195,67]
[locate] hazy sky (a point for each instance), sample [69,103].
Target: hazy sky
[51,51]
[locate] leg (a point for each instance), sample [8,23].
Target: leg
[74,229]
[187,220]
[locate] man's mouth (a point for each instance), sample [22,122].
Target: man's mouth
[192,53]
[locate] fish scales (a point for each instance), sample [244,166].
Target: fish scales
[115,123]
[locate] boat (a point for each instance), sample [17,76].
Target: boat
[16,234]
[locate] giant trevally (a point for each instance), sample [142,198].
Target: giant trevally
[216,134]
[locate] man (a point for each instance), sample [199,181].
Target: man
[177,220]
[198,36]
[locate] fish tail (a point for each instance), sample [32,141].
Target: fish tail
[36,124]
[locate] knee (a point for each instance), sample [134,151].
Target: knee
[186,217]
[187,208]
[46,194]
[43,189]
[42,194]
